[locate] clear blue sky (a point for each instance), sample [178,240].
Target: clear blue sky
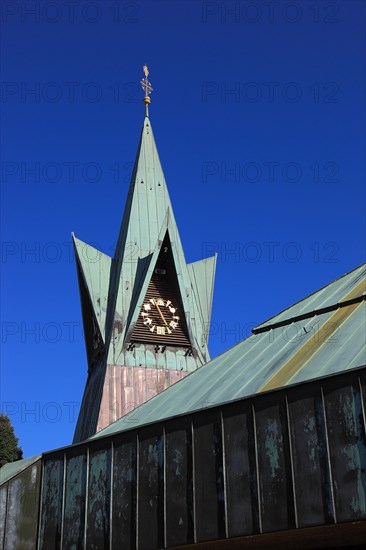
[259,116]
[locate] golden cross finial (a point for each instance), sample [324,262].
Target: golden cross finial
[146,86]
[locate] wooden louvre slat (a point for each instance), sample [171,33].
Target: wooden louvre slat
[159,287]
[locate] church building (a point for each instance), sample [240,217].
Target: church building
[262,447]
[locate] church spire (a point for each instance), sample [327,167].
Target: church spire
[146,311]
[146,86]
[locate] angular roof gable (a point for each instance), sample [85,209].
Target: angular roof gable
[147,218]
[95,267]
[117,286]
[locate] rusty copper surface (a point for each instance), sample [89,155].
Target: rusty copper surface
[125,388]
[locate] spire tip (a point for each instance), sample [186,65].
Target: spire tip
[146,86]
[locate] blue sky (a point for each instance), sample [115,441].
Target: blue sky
[259,116]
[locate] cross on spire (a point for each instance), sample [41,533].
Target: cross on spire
[146,86]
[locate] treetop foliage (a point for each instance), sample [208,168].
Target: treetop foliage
[9,449]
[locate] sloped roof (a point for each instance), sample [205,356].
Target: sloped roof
[148,216]
[327,296]
[95,267]
[14,468]
[319,343]
[117,287]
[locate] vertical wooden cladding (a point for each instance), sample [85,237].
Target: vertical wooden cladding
[240,470]
[310,457]
[179,482]
[3,512]
[274,463]
[124,492]
[19,507]
[347,447]
[74,500]
[50,535]
[150,502]
[99,496]
[209,503]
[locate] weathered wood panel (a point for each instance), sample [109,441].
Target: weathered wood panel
[347,447]
[124,493]
[75,499]
[240,470]
[275,477]
[208,476]
[313,490]
[150,512]
[3,511]
[179,482]
[20,525]
[99,496]
[51,517]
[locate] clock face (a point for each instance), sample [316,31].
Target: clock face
[160,316]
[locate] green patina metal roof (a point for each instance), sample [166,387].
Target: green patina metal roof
[96,268]
[321,299]
[117,287]
[12,469]
[322,342]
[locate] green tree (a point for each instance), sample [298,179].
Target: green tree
[9,450]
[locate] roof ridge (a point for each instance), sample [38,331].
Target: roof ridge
[308,314]
[266,324]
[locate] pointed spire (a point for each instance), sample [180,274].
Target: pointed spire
[146,86]
[148,264]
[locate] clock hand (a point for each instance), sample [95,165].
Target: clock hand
[161,315]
